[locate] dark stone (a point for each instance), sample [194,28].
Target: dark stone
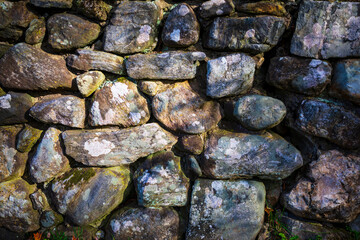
[14,107]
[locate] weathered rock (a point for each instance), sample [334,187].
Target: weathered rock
[305,76]
[159,181]
[111,147]
[65,110]
[50,218]
[325,119]
[164,66]
[230,75]
[181,28]
[226,209]
[262,8]
[257,112]
[150,88]
[52,3]
[234,155]
[68,231]
[192,143]
[346,81]
[50,154]
[133,28]
[331,193]
[12,34]
[4,46]
[96,9]
[14,107]
[15,14]
[98,192]
[250,34]
[86,59]
[67,31]
[27,138]
[191,167]
[119,103]
[327,30]
[16,212]
[39,200]
[88,82]
[25,67]
[180,108]
[133,223]
[36,31]
[12,162]
[215,8]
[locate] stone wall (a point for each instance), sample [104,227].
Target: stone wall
[179,120]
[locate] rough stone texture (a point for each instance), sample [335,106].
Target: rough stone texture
[96,9]
[12,162]
[257,112]
[262,8]
[27,138]
[52,3]
[65,110]
[133,223]
[119,103]
[133,28]
[159,181]
[181,28]
[230,75]
[325,119]
[273,191]
[2,92]
[226,209]
[4,46]
[331,192]
[327,30]
[191,167]
[234,155]
[98,192]
[50,218]
[25,67]
[36,31]
[305,76]
[86,59]
[192,143]
[88,82]
[68,31]
[16,212]
[250,34]
[39,200]
[14,107]
[111,147]
[151,88]
[165,66]
[179,108]
[50,154]
[346,81]
[214,8]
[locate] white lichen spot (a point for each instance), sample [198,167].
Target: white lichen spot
[250,33]
[96,147]
[219,12]
[135,117]
[144,35]
[127,224]
[183,10]
[213,201]
[217,185]
[163,55]
[85,197]
[314,63]
[115,225]
[175,35]
[119,91]
[5,101]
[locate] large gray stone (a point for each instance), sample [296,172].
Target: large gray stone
[226,209]
[14,107]
[111,147]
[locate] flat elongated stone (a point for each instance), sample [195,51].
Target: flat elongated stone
[166,66]
[214,8]
[111,147]
[27,138]
[52,3]
[14,107]
[119,103]
[49,153]
[88,82]
[222,209]
[327,30]
[250,34]
[86,60]
[235,155]
[230,75]
[65,110]
[159,181]
[179,108]
[305,76]
[98,192]
[25,67]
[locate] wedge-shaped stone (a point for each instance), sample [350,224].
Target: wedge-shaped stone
[88,82]
[14,107]
[112,147]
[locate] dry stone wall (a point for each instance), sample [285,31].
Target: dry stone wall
[179,120]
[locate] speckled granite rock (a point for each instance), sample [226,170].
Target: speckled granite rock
[49,153]
[111,147]
[88,82]
[96,9]
[180,108]
[68,31]
[27,138]
[327,30]
[234,155]
[331,191]
[133,223]
[16,212]
[65,110]
[14,107]
[159,181]
[229,75]
[164,66]
[305,76]
[98,192]
[119,103]
[214,8]
[226,209]
[261,8]
[36,31]
[52,3]
[22,67]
